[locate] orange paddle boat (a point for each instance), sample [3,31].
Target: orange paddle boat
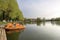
[16,26]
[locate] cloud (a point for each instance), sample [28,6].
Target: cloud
[40,8]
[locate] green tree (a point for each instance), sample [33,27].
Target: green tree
[38,20]
[9,10]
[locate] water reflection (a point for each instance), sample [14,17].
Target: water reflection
[52,22]
[41,31]
[43,23]
[37,31]
[13,35]
[56,23]
[37,23]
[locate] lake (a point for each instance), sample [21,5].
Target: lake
[37,31]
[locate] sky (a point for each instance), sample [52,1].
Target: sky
[40,8]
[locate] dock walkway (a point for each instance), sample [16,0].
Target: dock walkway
[2,34]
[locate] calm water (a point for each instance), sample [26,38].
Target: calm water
[42,31]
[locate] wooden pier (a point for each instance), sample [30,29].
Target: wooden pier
[2,34]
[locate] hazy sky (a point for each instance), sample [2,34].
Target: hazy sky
[40,8]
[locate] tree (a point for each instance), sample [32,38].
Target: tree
[9,10]
[38,20]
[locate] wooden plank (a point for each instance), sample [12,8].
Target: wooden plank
[2,34]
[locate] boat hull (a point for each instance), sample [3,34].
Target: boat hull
[8,29]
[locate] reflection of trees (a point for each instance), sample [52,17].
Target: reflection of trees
[13,36]
[38,23]
[43,23]
[29,22]
[56,22]
[52,22]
